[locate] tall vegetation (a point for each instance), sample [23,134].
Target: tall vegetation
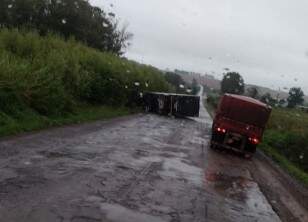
[177,82]
[296,97]
[78,18]
[195,88]
[180,86]
[288,133]
[51,76]
[286,139]
[233,83]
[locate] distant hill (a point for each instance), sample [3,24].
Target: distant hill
[211,82]
[207,80]
[274,93]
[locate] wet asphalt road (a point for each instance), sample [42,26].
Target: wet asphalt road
[133,169]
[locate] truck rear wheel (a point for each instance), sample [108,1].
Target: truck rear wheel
[248,156]
[212,146]
[251,148]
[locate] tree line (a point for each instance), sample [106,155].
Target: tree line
[69,18]
[233,83]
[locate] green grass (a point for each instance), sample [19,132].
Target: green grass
[287,132]
[33,121]
[284,119]
[286,141]
[291,168]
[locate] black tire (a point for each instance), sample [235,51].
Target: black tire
[250,148]
[248,156]
[214,146]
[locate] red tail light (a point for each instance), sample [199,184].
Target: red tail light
[222,130]
[254,140]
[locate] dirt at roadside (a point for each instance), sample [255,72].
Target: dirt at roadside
[287,197]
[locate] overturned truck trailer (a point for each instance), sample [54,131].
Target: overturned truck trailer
[172,104]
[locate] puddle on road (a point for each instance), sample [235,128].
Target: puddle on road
[56,154]
[234,187]
[240,191]
[7,174]
[114,212]
[141,153]
[65,153]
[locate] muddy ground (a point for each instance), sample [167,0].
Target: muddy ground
[135,169]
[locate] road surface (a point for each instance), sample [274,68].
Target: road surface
[142,168]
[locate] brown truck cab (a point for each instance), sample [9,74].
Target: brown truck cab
[239,124]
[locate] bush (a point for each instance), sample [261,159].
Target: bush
[50,76]
[213,100]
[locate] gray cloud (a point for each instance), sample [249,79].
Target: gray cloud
[263,40]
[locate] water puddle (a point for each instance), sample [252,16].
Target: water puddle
[114,212]
[233,187]
[241,195]
[7,174]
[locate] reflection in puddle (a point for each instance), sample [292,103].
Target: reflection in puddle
[241,195]
[116,212]
[234,187]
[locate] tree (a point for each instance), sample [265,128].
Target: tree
[195,87]
[253,92]
[233,83]
[268,99]
[176,81]
[296,97]
[69,18]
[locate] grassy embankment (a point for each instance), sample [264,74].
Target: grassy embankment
[46,81]
[285,139]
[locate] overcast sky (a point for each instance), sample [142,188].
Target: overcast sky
[266,41]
